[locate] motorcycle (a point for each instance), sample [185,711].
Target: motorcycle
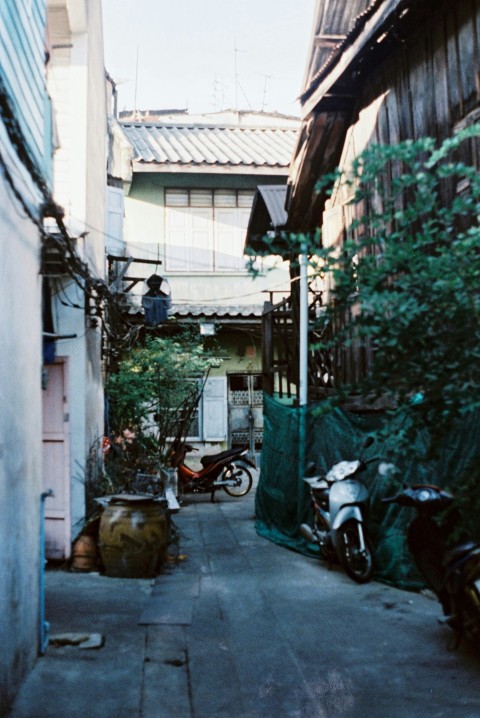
[451,568]
[339,503]
[226,470]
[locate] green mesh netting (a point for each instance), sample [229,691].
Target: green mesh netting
[283,501]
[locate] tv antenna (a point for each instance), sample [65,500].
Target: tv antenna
[136,81]
[237,84]
[218,94]
[264,100]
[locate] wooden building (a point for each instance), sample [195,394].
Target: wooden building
[379,72]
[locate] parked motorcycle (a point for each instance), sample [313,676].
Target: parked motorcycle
[226,470]
[339,502]
[451,568]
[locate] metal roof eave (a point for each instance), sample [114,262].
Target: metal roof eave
[347,53]
[267,220]
[171,168]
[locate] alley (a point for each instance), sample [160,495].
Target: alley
[242,628]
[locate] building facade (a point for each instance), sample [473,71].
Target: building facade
[53,183]
[190,193]
[25,185]
[73,397]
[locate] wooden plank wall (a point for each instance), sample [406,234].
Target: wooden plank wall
[22,67]
[427,87]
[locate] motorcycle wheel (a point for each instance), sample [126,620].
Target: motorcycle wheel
[244,482]
[357,564]
[470,613]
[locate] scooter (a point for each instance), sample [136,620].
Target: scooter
[450,568]
[226,470]
[339,503]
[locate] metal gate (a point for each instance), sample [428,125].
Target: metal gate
[245,411]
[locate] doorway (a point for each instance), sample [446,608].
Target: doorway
[245,412]
[56,462]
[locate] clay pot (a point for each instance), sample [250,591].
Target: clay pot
[133,536]
[85,554]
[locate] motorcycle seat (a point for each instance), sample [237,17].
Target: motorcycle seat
[210,459]
[460,551]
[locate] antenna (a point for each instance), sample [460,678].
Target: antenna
[136,81]
[236,49]
[218,94]
[267,77]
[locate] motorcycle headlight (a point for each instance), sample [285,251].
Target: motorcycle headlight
[423,495]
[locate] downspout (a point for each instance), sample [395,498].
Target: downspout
[303,363]
[43,624]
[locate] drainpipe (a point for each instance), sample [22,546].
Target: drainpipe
[303,369]
[303,361]
[43,624]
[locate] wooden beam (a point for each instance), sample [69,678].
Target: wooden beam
[350,53]
[320,154]
[114,258]
[328,40]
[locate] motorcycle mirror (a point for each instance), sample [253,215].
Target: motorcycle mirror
[386,470]
[368,442]
[310,469]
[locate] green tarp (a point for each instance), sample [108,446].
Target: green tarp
[283,501]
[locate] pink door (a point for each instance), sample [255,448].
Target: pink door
[56,463]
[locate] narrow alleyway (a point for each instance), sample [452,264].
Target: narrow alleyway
[245,629]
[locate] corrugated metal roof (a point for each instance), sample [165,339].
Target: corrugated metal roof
[239,311]
[332,23]
[274,197]
[209,311]
[204,145]
[320,64]
[268,215]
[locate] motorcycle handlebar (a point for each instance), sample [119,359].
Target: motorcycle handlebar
[390,499]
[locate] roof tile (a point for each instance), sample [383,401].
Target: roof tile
[204,145]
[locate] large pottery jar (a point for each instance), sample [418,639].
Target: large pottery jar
[133,536]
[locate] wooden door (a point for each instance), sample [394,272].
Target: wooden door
[56,462]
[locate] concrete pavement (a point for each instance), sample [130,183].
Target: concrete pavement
[243,628]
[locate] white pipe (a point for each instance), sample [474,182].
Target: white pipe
[303,367]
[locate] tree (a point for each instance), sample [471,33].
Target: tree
[154,395]
[408,278]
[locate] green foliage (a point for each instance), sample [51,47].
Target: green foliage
[154,395]
[408,278]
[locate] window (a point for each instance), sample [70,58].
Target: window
[209,420]
[205,229]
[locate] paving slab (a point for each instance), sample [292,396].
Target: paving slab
[74,683]
[243,628]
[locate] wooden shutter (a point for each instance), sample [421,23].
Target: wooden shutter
[201,256]
[178,231]
[214,404]
[114,243]
[226,245]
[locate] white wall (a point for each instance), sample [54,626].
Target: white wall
[77,85]
[20,441]
[145,232]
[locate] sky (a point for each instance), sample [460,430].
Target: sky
[208,55]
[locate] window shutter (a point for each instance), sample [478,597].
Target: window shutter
[178,230]
[201,258]
[214,402]
[227,239]
[114,200]
[176,197]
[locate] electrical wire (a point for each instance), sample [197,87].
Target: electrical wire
[95,288]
